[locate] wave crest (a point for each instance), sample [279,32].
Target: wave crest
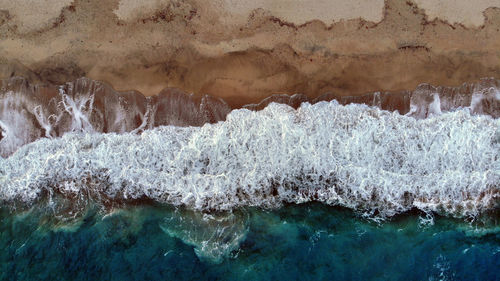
[354,156]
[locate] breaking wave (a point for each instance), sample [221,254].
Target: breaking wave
[356,156]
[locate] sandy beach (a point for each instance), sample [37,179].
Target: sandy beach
[245,51]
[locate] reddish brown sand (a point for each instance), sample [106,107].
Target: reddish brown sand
[244,51]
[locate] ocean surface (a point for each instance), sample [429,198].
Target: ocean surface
[96,184]
[295,242]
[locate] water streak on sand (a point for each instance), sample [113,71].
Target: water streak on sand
[29,112]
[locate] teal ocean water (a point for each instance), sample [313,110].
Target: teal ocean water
[296,242]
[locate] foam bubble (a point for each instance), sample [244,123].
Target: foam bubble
[354,156]
[214,236]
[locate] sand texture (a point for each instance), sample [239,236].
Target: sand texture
[244,51]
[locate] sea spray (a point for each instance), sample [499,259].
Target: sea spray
[355,156]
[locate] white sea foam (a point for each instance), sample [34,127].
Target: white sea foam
[214,236]
[354,156]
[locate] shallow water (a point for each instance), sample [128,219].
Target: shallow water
[296,242]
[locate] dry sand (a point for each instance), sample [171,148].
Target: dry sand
[247,50]
[468,13]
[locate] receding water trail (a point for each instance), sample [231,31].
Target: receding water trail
[29,112]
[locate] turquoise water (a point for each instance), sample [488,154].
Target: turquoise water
[295,242]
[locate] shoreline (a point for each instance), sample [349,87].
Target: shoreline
[85,85]
[32,111]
